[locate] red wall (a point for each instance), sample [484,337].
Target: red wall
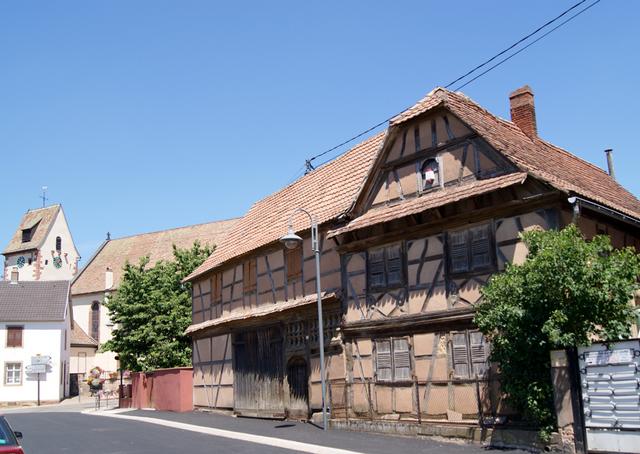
[163,389]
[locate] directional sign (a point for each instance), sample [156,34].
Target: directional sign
[40,360]
[36,369]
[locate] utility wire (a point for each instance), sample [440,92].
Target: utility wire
[520,41]
[527,46]
[308,162]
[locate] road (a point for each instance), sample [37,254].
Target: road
[67,430]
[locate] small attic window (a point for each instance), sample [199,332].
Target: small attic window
[58,244]
[26,235]
[430,174]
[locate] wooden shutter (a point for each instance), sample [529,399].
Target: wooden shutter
[217,287]
[458,252]
[383,360]
[460,354]
[479,353]
[480,247]
[401,360]
[14,336]
[375,269]
[249,275]
[294,263]
[395,275]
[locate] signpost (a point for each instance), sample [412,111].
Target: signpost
[38,366]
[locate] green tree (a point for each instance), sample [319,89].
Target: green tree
[567,293]
[151,310]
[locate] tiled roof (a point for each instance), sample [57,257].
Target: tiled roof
[157,245]
[543,160]
[330,190]
[33,301]
[81,339]
[431,200]
[325,192]
[262,311]
[41,219]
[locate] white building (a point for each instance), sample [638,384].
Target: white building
[42,248]
[35,321]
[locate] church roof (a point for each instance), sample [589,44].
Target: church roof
[113,254]
[33,301]
[81,339]
[40,222]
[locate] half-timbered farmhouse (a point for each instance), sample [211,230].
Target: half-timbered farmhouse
[413,222]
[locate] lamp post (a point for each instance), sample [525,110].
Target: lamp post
[291,241]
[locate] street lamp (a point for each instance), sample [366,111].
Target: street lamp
[291,241]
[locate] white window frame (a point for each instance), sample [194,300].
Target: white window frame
[13,371]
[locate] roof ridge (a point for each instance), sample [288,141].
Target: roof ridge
[568,153]
[55,205]
[321,167]
[173,229]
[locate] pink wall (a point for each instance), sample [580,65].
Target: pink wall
[164,389]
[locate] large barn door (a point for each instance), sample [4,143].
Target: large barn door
[258,373]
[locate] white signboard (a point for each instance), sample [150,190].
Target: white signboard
[36,369]
[40,360]
[606,357]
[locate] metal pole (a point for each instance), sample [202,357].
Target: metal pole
[316,250]
[38,389]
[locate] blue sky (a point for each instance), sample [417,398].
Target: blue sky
[147,115]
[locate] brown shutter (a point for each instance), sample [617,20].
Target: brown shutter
[401,360]
[460,355]
[479,353]
[458,252]
[217,281]
[395,275]
[14,336]
[249,275]
[383,360]
[294,263]
[480,247]
[375,269]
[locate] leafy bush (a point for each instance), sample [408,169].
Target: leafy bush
[567,293]
[151,310]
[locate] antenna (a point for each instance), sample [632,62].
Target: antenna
[44,195]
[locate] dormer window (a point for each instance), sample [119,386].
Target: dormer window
[26,235]
[430,173]
[58,244]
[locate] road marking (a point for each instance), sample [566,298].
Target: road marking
[260,439]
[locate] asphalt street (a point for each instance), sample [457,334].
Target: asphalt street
[57,430]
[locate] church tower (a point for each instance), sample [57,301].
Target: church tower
[42,248]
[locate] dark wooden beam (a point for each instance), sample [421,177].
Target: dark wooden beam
[427,152]
[459,218]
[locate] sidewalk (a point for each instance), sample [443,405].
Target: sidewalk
[291,435]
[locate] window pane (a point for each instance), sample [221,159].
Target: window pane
[430,174]
[458,253]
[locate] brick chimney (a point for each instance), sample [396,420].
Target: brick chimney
[523,111]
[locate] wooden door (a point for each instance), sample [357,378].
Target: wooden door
[258,373]
[298,380]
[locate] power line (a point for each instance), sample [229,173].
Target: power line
[308,162]
[521,40]
[528,45]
